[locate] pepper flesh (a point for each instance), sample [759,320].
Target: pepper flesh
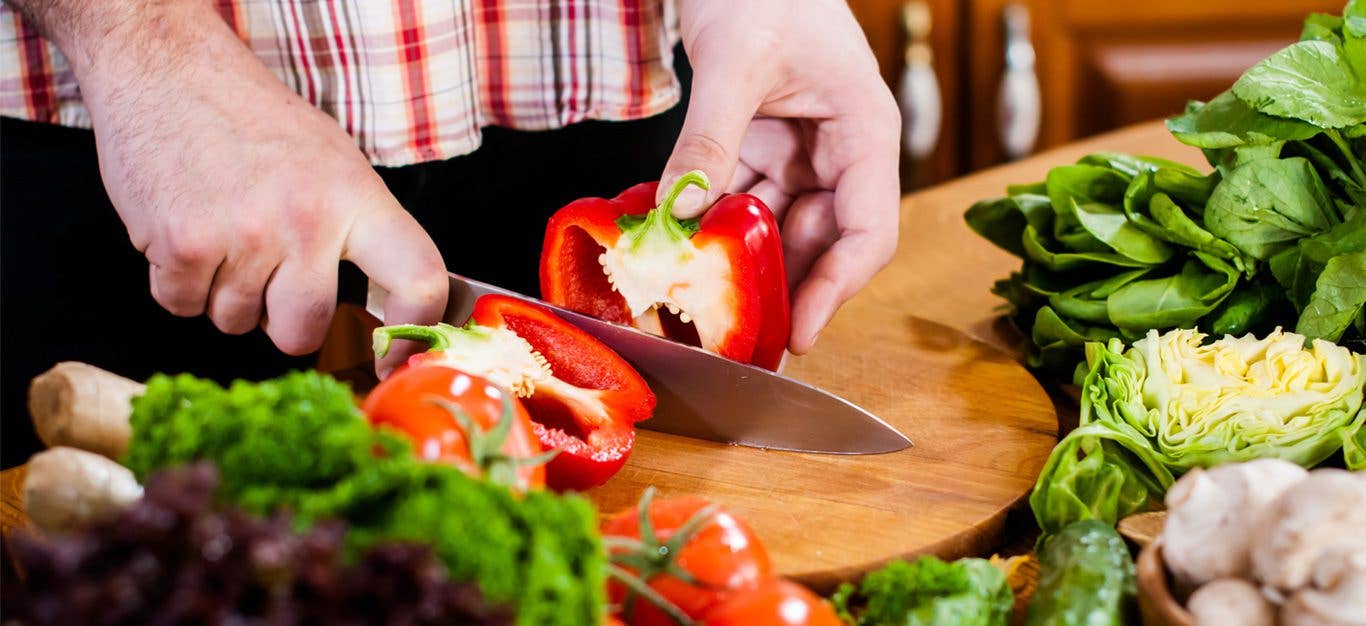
[583,398]
[622,259]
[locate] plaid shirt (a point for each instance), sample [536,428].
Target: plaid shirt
[415,80]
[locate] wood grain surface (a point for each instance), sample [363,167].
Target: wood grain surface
[982,430]
[923,347]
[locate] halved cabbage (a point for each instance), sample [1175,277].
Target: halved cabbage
[1172,402]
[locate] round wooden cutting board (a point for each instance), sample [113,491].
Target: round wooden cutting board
[982,429]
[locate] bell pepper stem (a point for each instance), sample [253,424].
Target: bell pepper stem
[659,221]
[695,177]
[436,337]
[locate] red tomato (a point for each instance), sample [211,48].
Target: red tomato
[776,603]
[724,556]
[411,401]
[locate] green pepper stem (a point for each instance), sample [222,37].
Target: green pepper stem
[436,337]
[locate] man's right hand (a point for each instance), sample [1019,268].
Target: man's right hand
[242,196]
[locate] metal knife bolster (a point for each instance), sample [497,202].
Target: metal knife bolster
[706,396]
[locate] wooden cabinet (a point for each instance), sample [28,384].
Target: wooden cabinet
[1098,64]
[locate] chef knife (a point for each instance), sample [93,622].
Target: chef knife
[705,396]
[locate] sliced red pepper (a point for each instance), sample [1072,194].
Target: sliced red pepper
[722,276]
[583,398]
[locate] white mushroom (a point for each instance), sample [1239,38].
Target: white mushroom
[1210,513]
[1325,511]
[1338,596]
[65,488]
[1230,601]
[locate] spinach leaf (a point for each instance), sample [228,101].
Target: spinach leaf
[1250,307]
[1339,295]
[1322,27]
[1109,226]
[1193,190]
[1035,250]
[1039,188]
[1227,121]
[1055,344]
[1002,221]
[1307,80]
[1082,183]
[1329,170]
[1086,302]
[1297,269]
[1354,36]
[1182,230]
[1349,236]
[1265,206]
[1175,301]
[1131,165]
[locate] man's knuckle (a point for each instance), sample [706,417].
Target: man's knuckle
[176,302]
[762,43]
[253,236]
[297,338]
[430,286]
[188,248]
[703,148]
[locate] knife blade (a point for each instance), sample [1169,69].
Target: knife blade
[705,396]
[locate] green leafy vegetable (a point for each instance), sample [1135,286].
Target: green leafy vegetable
[299,443]
[928,592]
[1226,121]
[1308,80]
[1241,249]
[1339,294]
[1266,205]
[1109,226]
[1087,578]
[1174,301]
[1171,402]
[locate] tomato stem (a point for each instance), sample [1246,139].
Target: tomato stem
[638,587]
[486,446]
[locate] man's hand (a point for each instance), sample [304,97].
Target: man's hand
[787,104]
[242,196]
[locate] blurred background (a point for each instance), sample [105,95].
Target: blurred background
[981,82]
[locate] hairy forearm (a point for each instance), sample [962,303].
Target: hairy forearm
[112,44]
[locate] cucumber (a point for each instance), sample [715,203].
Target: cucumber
[1087,579]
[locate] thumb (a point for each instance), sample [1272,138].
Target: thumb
[720,109]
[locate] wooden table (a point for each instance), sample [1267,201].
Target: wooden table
[947,270]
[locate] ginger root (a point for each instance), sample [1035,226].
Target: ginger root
[82,406]
[65,488]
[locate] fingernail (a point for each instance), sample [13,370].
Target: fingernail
[690,202]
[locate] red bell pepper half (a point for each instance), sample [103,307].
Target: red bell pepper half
[721,277]
[583,398]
